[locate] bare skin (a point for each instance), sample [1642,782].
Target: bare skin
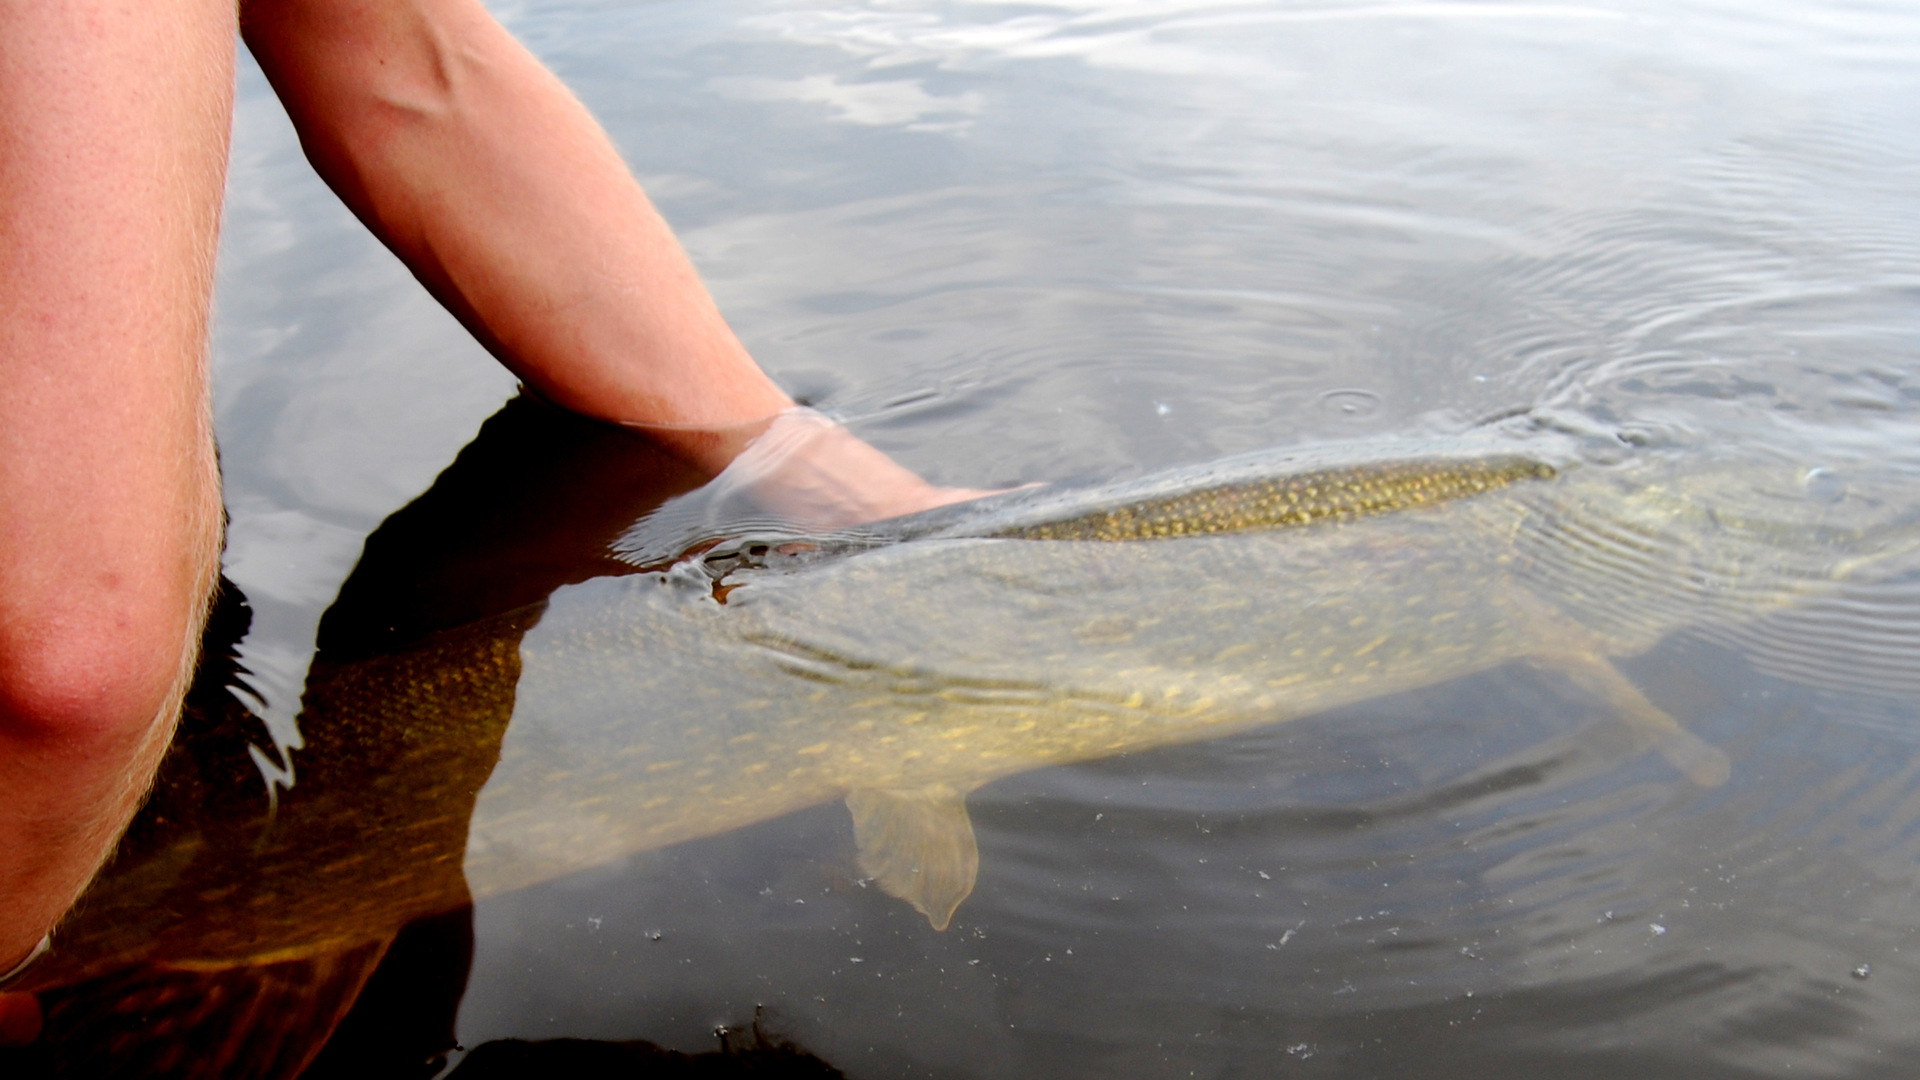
[468,159]
[112,153]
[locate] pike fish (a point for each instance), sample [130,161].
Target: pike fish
[1057,627]
[900,667]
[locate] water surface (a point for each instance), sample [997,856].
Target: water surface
[1094,239]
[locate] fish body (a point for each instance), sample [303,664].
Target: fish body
[901,677]
[900,670]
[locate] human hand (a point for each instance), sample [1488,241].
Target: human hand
[808,471]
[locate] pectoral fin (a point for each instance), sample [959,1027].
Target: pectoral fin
[1703,763]
[918,845]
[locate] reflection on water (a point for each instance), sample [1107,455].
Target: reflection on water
[1671,244]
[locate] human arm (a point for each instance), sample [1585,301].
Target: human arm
[113,139]
[485,175]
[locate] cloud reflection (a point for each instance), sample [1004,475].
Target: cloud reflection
[1135,35]
[902,102]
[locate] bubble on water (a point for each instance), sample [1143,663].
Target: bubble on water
[1862,971]
[1656,928]
[1823,485]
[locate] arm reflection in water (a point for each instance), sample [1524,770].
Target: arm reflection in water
[241,936]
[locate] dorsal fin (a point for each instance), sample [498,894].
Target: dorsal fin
[918,845]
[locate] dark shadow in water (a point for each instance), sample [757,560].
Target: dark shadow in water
[232,936]
[402,1023]
[746,1059]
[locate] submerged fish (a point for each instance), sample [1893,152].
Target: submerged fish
[900,676]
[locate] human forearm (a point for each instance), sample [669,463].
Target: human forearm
[487,177]
[490,180]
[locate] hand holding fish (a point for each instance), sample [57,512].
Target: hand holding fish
[466,157]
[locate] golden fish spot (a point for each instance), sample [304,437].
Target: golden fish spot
[663,766]
[758,766]
[1356,622]
[748,737]
[655,804]
[1298,676]
[913,718]
[1135,700]
[1444,616]
[1336,669]
[816,748]
[1371,645]
[1232,651]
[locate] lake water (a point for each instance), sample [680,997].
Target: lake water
[1093,239]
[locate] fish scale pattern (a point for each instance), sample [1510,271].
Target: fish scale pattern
[1292,501]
